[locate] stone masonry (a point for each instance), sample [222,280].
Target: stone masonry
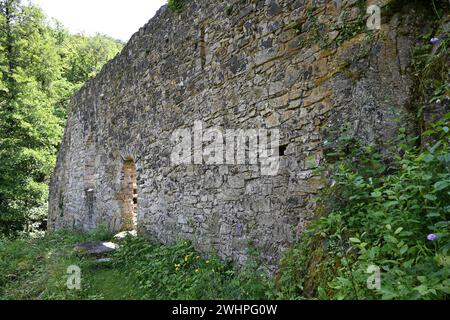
[306,67]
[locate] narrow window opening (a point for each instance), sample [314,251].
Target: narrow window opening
[128,196]
[283,149]
[89,181]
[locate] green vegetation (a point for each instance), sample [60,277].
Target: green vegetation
[431,70]
[375,213]
[315,31]
[392,215]
[41,66]
[175,5]
[179,272]
[383,215]
[36,269]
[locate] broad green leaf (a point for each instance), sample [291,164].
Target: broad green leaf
[441,185]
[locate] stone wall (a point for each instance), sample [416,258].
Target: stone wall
[305,67]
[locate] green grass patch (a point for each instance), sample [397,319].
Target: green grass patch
[36,268]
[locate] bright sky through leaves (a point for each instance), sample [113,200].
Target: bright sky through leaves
[116,18]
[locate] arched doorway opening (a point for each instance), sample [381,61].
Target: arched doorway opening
[128,196]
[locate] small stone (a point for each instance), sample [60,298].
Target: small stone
[273,120]
[125,234]
[103,260]
[274,9]
[97,248]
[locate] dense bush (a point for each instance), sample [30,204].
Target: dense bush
[393,216]
[175,5]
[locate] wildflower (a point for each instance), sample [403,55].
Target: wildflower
[197,270]
[270,258]
[431,237]
[197,257]
[186,258]
[239,227]
[207,261]
[435,40]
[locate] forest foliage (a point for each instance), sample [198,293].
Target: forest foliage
[41,66]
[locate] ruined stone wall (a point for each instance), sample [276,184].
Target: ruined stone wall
[301,66]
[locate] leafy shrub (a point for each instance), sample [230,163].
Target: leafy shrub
[392,216]
[175,5]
